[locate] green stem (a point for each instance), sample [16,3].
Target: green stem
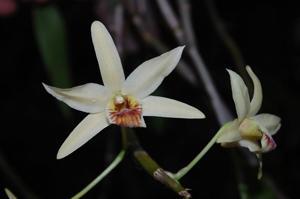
[113,165]
[260,165]
[182,172]
[159,174]
[152,167]
[124,138]
[116,161]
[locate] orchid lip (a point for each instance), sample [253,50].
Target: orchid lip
[267,143]
[124,110]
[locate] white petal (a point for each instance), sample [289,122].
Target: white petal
[107,56]
[165,107]
[9,194]
[256,101]
[229,132]
[269,122]
[149,75]
[240,95]
[84,131]
[90,98]
[252,146]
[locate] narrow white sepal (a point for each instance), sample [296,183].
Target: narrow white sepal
[240,95]
[165,107]
[89,98]
[107,56]
[9,194]
[150,74]
[84,131]
[257,98]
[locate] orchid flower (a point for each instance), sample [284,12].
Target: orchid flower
[248,129]
[251,130]
[119,101]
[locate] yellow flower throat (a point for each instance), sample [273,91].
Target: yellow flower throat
[125,110]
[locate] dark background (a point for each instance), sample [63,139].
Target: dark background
[33,126]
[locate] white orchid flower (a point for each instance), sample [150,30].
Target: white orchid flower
[119,101]
[249,130]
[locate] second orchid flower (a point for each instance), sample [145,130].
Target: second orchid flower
[248,129]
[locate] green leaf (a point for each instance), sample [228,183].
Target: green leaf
[50,33]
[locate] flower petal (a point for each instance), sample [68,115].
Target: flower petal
[268,123]
[251,145]
[229,132]
[165,107]
[85,130]
[256,101]
[9,194]
[240,95]
[107,56]
[149,75]
[90,98]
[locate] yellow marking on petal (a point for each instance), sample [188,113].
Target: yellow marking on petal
[249,129]
[125,110]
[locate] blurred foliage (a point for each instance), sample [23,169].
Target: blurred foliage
[51,37]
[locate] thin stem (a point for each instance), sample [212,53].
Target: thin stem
[227,39]
[152,167]
[113,165]
[124,138]
[156,43]
[224,35]
[260,166]
[159,174]
[171,19]
[116,161]
[182,172]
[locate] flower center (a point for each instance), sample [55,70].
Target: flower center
[249,129]
[125,110]
[119,99]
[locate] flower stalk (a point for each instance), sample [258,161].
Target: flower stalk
[152,167]
[182,172]
[113,165]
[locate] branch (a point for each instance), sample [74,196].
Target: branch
[183,68]
[221,111]
[171,20]
[225,37]
[118,27]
